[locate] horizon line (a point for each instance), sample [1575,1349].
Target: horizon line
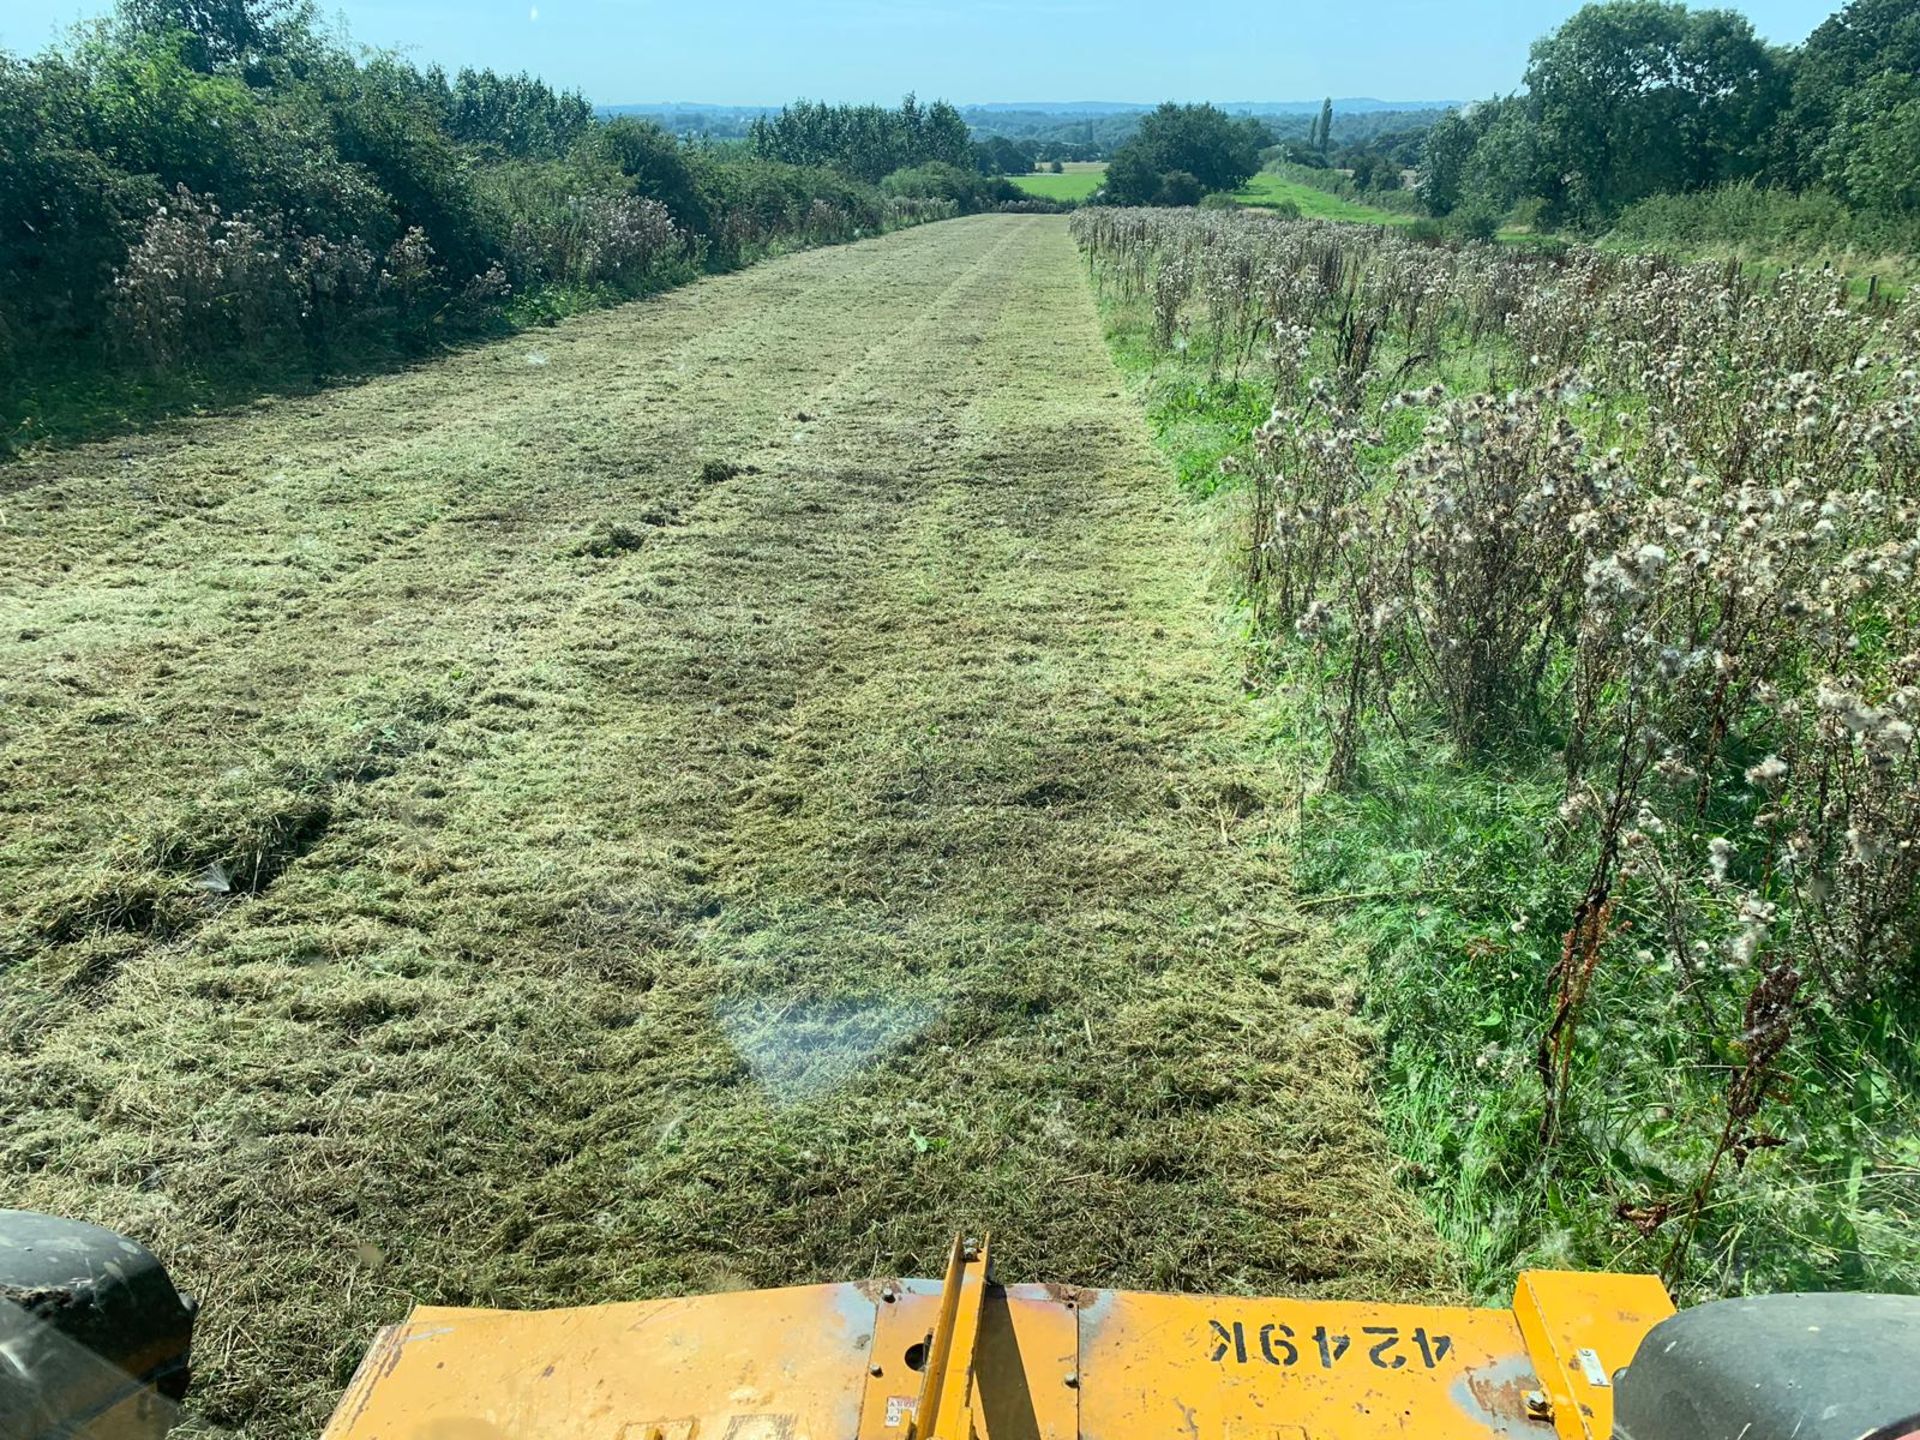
[1045,105]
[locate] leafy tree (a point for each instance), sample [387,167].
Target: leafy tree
[943,136]
[1374,168]
[1505,166]
[1399,149]
[999,155]
[1180,187]
[154,112]
[64,208]
[223,33]
[1192,142]
[1846,53]
[1131,178]
[864,141]
[1324,139]
[1635,97]
[1443,161]
[516,115]
[1871,150]
[387,119]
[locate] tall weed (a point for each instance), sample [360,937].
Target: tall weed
[1634,543]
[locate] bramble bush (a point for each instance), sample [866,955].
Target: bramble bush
[1631,547]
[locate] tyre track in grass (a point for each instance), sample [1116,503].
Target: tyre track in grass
[879,848]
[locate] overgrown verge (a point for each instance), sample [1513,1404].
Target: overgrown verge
[199,206]
[1754,224]
[1588,581]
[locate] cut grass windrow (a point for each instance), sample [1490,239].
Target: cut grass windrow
[750,782]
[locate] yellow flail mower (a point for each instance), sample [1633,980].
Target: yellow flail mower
[95,1343]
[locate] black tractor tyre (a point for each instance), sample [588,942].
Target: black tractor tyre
[94,1338]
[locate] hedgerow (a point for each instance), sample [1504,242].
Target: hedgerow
[196,201]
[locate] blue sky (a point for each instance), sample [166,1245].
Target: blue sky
[768,51]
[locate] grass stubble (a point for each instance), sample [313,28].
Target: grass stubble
[721,793]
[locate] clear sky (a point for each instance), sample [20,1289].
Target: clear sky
[770,51]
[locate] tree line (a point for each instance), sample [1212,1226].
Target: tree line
[189,185]
[868,141]
[1180,154]
[1633,99]
[913,152]
[1627,102]
[1024,138]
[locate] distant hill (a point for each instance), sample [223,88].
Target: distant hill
[1060,107]
[710,122]
[1359,106]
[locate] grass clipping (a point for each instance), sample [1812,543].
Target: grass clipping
[875,851]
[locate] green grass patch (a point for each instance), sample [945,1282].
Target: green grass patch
[1197,419]
[1451,876]
[1269,191]
[1073,186]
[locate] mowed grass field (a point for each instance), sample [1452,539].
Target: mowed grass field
[1078,181]
[724,792]
[1269,190]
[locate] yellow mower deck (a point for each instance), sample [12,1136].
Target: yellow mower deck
[965,1358]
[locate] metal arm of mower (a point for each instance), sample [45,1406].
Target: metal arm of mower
[94,1343]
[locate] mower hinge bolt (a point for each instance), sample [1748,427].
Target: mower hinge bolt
[1539,1407]
[1073,1379]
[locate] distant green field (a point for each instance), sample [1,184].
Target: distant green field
[1075,185]
[1267,190]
